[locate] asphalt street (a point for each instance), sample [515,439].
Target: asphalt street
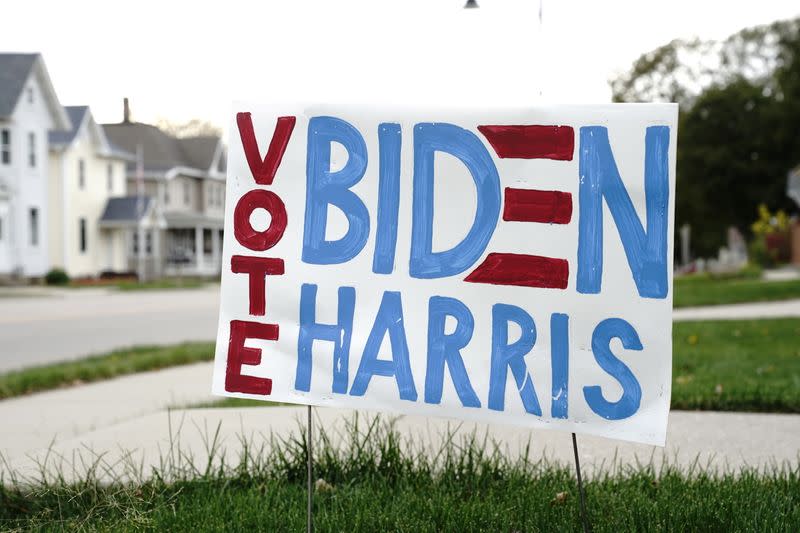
[44,326]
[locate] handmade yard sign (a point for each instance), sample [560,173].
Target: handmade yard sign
[509,265]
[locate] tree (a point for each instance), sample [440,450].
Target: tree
[192,128]
[739,125]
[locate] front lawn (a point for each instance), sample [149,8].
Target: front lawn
[737,365]
[699,290]
[377,482]
[97,368]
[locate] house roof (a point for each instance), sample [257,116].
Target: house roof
[15,69]
[125,209]
[14,72]
[199,151]
[76,116]
[162,152]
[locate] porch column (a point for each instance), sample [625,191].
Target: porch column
[140,252]
[156,244]
[215,249]
[198,248]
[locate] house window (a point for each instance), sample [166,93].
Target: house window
[5,146]
[208,246]
[30,95]
[186,192]
[33,223]
[32,149]
[166,193]
[82,234]
[148,242]
[135,243]
[81,174]
[110,177]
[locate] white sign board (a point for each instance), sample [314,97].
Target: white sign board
[506,265]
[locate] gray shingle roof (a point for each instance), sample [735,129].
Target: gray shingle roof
[76,116]
[14,71]
[199,151]
[125,209]
[161,151]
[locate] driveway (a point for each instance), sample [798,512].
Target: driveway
[39,327]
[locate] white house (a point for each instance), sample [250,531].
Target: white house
[29,109]
[85,172]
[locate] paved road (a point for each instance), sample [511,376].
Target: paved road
[42,327]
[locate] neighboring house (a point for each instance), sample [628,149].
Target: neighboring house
[29,109]
[184,181]
[86,171]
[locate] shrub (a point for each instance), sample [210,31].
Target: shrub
[770,245]
[56,276]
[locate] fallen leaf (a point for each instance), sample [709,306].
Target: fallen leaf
[322,486]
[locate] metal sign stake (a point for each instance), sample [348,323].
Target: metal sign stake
[584,518]
[309,486]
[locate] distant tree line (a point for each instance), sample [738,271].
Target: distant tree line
[739,126]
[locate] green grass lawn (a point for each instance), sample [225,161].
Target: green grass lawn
[133,285]
[161,284]
[118,363]
[375,483]
[737,365]
[691,291]
[717,365]
[230,403]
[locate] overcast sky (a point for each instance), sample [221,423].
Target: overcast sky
[183,60]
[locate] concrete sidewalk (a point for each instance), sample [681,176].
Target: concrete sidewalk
[754,310]
[718,441]
[125,421]
[34,421]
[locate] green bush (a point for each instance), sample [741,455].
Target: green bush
[760,254]
[56,276]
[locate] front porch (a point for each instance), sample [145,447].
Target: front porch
[193,251]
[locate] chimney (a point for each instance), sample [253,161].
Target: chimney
[126,111]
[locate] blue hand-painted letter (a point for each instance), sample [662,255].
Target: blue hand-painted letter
[631,397]
[447,349]
[389,141]
[599,179]
[339,334]
[324,188]
[389,319]
[505,356]
[466,146]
